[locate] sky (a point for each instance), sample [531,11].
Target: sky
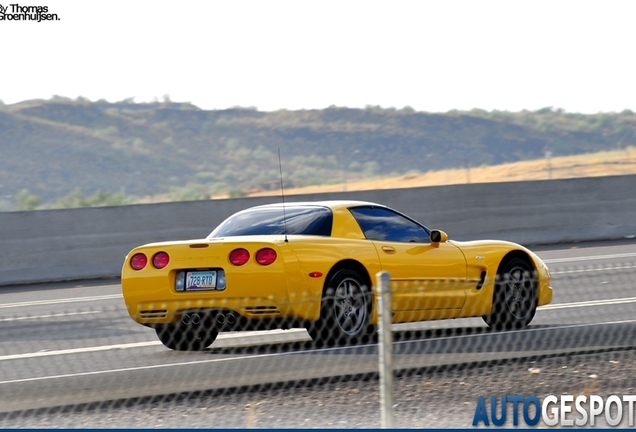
[433,56]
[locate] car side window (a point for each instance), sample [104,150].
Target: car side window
[379,223]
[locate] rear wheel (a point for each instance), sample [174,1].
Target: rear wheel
[345,311]
[515,297]
[180,337]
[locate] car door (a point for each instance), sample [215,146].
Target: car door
[424,275]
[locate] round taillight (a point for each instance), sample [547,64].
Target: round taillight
[238,257]
[160,260]
[266,256]
[138,261]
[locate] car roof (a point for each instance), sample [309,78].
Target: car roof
[333,204]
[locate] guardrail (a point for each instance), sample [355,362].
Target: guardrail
[52,245]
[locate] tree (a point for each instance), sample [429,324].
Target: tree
[98,199]
[27,201]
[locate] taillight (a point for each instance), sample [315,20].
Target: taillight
[238,257]
[266,256]
[160,260]
[138,261]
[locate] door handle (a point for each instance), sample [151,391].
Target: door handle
[388,249]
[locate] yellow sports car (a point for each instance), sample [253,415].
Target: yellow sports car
[313,265]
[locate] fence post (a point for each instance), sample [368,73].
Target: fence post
[383,294]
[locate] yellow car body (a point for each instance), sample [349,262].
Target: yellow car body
[431,277]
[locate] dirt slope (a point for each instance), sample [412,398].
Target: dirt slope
[616,162]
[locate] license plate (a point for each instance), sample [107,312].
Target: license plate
[200,280]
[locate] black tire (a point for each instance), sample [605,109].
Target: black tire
[186,338]
[345,311]
[515,298]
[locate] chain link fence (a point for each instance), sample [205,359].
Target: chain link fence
[72,357]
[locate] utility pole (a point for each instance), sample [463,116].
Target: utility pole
[467,163]
[548,155]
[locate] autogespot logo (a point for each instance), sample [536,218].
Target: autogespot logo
[17,12]
[554,411]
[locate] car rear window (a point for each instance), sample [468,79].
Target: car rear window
[308,220]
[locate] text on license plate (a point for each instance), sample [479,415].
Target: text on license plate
[200,280]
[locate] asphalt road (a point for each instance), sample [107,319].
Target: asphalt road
[64,344]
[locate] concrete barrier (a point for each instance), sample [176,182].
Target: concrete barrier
[53,245]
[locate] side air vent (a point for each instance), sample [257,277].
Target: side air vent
[482,278]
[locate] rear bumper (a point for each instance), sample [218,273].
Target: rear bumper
[168,312]
[155,301]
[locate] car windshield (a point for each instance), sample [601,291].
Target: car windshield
[308,220]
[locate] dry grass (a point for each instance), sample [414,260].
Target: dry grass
[616,162]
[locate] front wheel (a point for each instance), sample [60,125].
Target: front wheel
[515,297]
[345,310]
[180,337]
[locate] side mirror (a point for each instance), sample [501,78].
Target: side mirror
[438,236]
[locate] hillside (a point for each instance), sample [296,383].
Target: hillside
[64,152]
[615,162]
